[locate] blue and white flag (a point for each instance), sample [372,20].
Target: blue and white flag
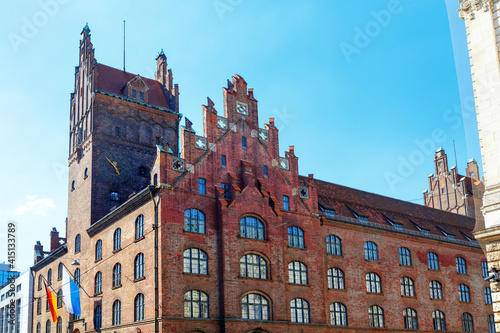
[71,294]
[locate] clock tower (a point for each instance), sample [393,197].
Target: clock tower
[116,121]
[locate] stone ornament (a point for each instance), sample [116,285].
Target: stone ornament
[263,134]
[304,192]
[467,8]
[178,164]
[222,123]
[201,142]
[284,163]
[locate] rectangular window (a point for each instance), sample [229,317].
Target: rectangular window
[114,196]
[398,226]
[158,141]
[202,186]
[134,94]
[225,187]
[117,131]
[286,203]
[141,96]
[223,161]
[265,170]
[244,142]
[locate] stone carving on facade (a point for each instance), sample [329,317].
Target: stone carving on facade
[468,7]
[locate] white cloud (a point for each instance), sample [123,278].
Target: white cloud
[35,206]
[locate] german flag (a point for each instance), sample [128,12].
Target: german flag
[52,300]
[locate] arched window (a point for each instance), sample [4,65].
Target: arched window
[98,283]
[195,261]
[336,279]
[38,328]
[139,307]
[117,312]
[407,287]
[77,243]
[299,310]
[117,239]
[47,326]
[195,304]
[297,273]
[373,284]
[484,268]
[436,290]
[338,314]
[39,306]
[296,237]
[59,271]
[432,261]
[139,266]
[40,282]
[254,307]
[439,321]
[251,227]
[253,266]
[139,227]
[117,275]
[463,293]
[461,266]
[376,316]
[404,256]
[97,317]
[487,296]
[194,221]
[333,245]
[49,277]
[491,324]
[77,276]
[59,298]
[59,325]
[410,318]
[371,251]
[98,250]
[467,322]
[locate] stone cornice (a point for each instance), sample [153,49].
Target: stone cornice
[488,234]
[468,7]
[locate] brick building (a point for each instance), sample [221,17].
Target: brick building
[243,243]
[453,192]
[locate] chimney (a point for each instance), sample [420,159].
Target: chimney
[38,252]
[54,239]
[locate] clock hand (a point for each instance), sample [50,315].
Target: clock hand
[114,166]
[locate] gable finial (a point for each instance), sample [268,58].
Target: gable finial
[86,28]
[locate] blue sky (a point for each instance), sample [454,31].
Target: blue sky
[365,90]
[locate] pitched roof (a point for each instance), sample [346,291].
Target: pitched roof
[379,209]
[112,80]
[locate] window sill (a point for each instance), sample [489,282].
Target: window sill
[341,256]
[97,294]
[411,297]
[437,299]
[139,239]
[333,289]
[194,232]
[78,251]
[371,293]
[297,248]
[299,285]
[97,260]
[195,274]
[117,250]
[116,287]
[253,239]
[140,279]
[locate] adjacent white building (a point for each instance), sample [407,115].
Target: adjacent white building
[19,294]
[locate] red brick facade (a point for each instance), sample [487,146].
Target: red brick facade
[259,259]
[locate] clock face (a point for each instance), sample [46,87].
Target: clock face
[114,166]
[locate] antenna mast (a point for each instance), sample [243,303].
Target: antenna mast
[124,45]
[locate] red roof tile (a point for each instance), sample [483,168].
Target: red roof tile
[112,80]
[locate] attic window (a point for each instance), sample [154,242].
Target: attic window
[398,226]
[446,234]
[424,231]
[359,217]
[141,96]
[134,93]
[469,239]
[329,213]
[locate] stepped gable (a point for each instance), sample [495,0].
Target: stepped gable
[377,208]
[112,80]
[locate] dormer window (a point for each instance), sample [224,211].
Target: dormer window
[141,96]
[134,94]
